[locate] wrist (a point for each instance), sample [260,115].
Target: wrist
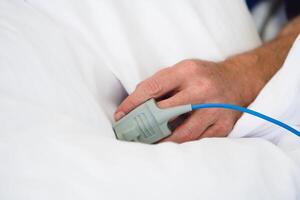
[246,76]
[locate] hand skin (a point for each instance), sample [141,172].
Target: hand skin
[237,80]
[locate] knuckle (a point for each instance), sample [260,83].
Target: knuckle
[224,128]
[130,103]
[138,86]
[190,62]
[192,66]
[151,87]
[189,66]
[189,133]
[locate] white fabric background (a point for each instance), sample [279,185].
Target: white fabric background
[64,66]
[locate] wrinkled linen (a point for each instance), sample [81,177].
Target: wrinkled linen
[65,66]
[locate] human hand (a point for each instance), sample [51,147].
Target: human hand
[194,82]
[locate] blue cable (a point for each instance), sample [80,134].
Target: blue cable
[246,110]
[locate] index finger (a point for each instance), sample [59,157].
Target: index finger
[156,86]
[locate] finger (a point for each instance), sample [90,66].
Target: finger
[219,129]
[193,127]
[185,96]
[180,98]
[158,85]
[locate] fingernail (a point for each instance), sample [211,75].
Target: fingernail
[119,115]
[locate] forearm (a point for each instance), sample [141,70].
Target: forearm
[256,67]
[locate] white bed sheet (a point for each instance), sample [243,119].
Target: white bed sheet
[64,67]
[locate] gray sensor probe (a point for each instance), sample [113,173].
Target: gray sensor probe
[147,123]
